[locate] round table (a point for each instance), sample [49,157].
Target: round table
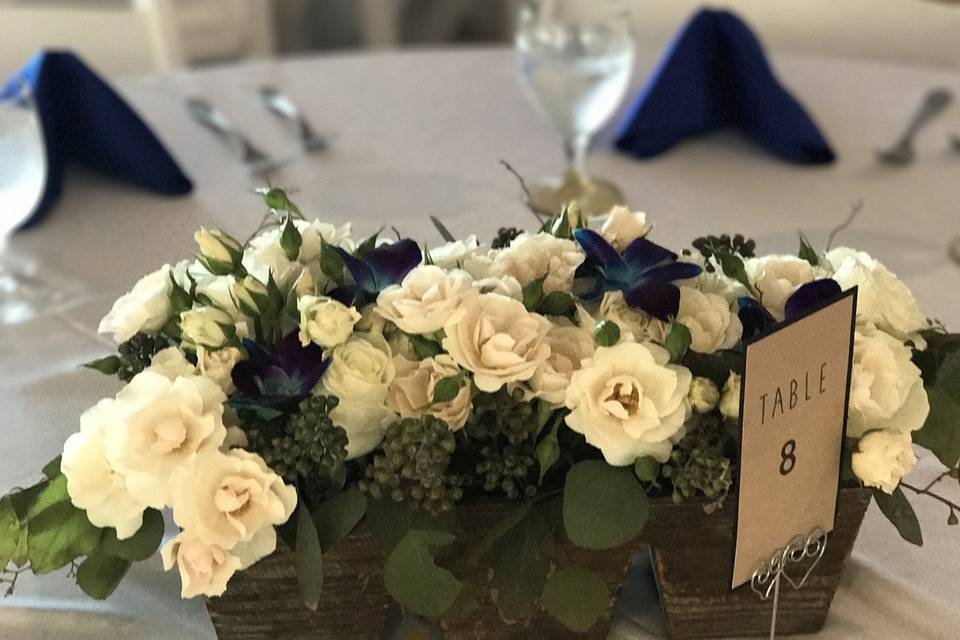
[419,134]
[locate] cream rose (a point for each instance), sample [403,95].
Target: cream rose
[205,569]
[452,255]
[776,278]
[159,425]
[207,327]
[360,373]
[640,325]
[145,308]
[325,321]
[886,390]
[226,498]
[882,458]
[704,395]
[730,398]
[708,317]
[218,365]
[498,340]
[428,298]
[623,227]
[171,364]
[569,347]
[264,253]
[540,255]
[629,402]
[411,393]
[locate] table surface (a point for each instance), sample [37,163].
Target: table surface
[421,134]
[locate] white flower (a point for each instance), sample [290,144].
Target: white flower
[498,340]
[453,254]
[226,498]
[642,326]
[730,399]
[505,286]
[218,365]
[171,363]
[712,326]
[160,425]
[541,255]
[629,402]
[325,321]
[204,568]
[208,327]
[704,395]
[264,252]
[411,393]
[92,483]
[360,373]
[623,227]
[886,390]
[715,281]
[569,347]
[219,252]
[882,458]
[145,308]
[428,298]
[776,278]
[883,300]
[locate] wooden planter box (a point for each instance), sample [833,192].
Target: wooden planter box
[691,553]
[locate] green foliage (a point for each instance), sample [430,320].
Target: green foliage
[677,341]
[499,442]
[606,333]
[136,354]
[505,235]
[940,433]
[900,513]
[290,239]
[577,597]
[548,451]
[709,246]
[109,365]
[732,266]
[603,506]
[447,388]
[699,464]
[521,561]
[533,293]
[391,520]
[308,558]
[647,469]
[557,303]
[100,573]
[58,535]
[331,264]
[278,200]
[368,244]
[140,545]
[415,580]
[10,532]
[338,516]
[807,252]
[442,230]
[425,348]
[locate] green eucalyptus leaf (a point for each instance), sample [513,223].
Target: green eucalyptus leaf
[603,506]
[732,266]
[413,578]
[23,499]
[548,451]
[522,559]
[492,535]
[59,534]
[533,294]
[391,520]
[53,493]
[10,532]
[52,468]
[677,341]
[338,516]
[557,303]
[141,545]
[308,558]
[939,433]
[447,388]
[107,366]
[900,513]
[424,348]
[576,597]
[807,252]
[442,230]
[646,468]
[100,573]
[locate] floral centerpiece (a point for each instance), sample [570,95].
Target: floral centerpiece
[279,391]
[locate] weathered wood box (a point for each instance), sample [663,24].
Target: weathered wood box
[691,553]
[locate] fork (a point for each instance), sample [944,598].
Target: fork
[257,162]
[280,105]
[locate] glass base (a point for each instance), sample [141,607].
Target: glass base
[27,293]
[595,197]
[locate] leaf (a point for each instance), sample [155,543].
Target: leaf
[391,520]
[368,244]
[308,558]
[442,230]
[733,267]
[107,366]
[940,433]
[331,264]
[548,451]
[533,294]
[491,536]
[447,388]
[140,545]
[338,516]
[52,468]
[603,506]
[576,597]
[557,303]
[646,468]
[100,573]
[10,532]
[807,252]
[424,348]
[900,513]
[677,341]
[414,579]
[521,562]
[58,534]
[54,492]
[22,500]
[290,239]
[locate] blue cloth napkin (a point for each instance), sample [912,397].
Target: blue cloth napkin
[715,74]
[83,120]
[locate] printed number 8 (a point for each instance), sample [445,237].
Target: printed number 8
[788,455]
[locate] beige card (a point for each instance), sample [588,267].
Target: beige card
[793,409]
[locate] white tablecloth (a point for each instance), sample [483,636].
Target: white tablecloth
[421,134]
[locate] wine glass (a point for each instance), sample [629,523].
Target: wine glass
[575,58]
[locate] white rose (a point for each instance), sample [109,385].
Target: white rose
[145,308]
[226,498]
[92,483]
[712,326]
[882,458]
[714,281]
[498,340]
[623,227]
[882,299]
[480,263]
[205,569]
[704,395]
[314,234]
[642,326]
[171,363]
[505,286]
[218,365]
[219,249]
[208,327]
[160,425]
[427,298]
[629,402]
[776,278]
[325,321]
[264,252]
[411,393]
[569,347]
[886,390]
[452,255]
[730,399]
[360,373]
[541,255]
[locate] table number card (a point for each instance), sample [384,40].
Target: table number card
[793,404]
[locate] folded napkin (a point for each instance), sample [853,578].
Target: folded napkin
[715,74]
[83,120]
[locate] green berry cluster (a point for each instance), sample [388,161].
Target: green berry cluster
[505,235]
[708,246]
[699,463]
[137,352]
[502,428]
[412,466]
[502,414]
[312,448]
[509,469]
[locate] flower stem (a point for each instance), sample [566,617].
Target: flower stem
[927,492]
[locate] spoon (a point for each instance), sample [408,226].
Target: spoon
[279,104]
[901,154]
[256,161]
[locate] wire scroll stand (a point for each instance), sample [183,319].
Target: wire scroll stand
[767,578]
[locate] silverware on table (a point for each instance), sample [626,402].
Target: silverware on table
[280,105]
[257,162]
[901,153]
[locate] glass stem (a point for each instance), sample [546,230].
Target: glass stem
[575,148]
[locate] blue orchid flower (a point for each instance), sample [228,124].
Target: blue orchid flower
[756,320]
[382,266]
[644,273]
